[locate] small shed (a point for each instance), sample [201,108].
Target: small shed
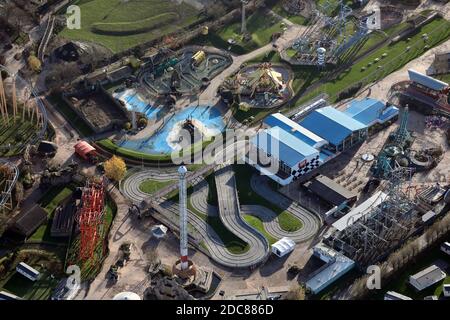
[392,295]
[445,247]
[27,222]
[27,271]
[283,246]
[427,277]
[330,191]
[446,290]
[84,150]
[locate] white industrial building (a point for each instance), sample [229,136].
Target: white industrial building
[427,277]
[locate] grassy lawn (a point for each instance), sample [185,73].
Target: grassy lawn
[75,121]
[49,202]
[257,223]
[397,56]
[443,77]
[113,148]
[246,196]
[120,25]
[150,186]
[15,134]
[260,26]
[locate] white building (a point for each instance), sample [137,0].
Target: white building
[446,290]
[427,277]
[445,247]
[27,271]
[392,295]
[283,246]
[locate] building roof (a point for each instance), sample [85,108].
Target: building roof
[127,296]
[392,295]
[427,277]
[426,81]
[337,265]
[284,245]
[331,124]
[83,148]
[27,222]
[369,111]
[329,190]
[28,270]
[283,122]
[283,146]
[8,296]
[360,211]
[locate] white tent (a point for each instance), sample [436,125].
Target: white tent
[283,247]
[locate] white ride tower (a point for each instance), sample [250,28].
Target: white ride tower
[183,219]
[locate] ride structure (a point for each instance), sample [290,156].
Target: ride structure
[91,219]
[327,37]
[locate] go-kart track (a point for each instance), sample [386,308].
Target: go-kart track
[230,213]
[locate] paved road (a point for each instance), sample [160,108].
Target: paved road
[230,214]
[215,246]
[311,223]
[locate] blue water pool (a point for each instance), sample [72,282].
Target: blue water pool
[136,103]
[159,143]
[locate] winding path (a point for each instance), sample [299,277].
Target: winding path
[311,223]
[215,246]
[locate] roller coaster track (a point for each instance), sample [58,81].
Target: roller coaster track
[46,38]
[41,132]
[10,182]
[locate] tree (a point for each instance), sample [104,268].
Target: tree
[115,168]
[295,293]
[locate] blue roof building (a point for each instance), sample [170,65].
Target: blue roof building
[284,146]
[305,135]
[334,126]
[371,111]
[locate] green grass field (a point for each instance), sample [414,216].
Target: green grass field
[120,25]
[246,196]
[151,186]
[257,223]
[260,26]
